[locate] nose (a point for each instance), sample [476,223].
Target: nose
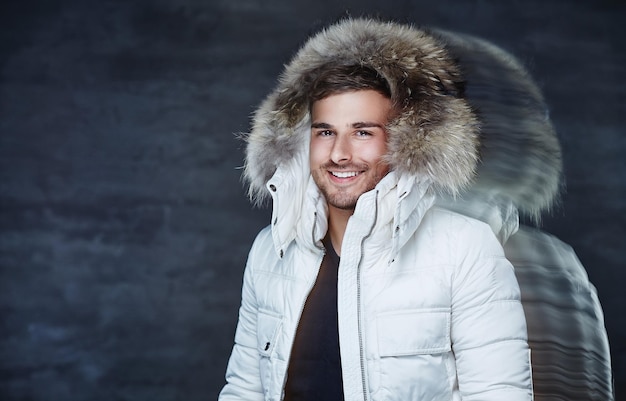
[341,151]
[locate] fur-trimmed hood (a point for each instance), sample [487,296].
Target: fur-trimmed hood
[434,136]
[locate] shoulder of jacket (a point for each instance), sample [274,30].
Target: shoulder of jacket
[263,243]
[459,232]
[447,218]
[264,235]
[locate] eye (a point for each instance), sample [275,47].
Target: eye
[325,132]
[363,133]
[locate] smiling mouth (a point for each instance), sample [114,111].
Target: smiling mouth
[344,174]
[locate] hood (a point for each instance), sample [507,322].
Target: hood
[434,135]
[520,155]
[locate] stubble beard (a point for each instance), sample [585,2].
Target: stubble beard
[340,199]
[343,198]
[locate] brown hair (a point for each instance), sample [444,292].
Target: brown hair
[347,78]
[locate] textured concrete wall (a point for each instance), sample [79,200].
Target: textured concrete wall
[124,227]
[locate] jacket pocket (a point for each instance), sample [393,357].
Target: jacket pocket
[414,332]
[268,326]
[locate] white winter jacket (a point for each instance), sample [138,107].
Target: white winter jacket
[428,306]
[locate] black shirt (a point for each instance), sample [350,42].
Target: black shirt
[314,371]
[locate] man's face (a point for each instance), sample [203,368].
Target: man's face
[348,140]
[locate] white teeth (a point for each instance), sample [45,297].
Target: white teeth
[344,174]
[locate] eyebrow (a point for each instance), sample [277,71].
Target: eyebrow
[360,124]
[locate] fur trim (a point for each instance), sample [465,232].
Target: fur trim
[435,134]
[520,152]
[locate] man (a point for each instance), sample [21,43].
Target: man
[360,289]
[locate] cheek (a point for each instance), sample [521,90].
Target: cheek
[316,153]
[374,152]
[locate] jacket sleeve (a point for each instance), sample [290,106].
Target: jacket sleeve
[243,381]
[488,327]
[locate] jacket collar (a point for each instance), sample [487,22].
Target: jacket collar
[394,209]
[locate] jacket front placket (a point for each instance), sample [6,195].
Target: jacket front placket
[349,299]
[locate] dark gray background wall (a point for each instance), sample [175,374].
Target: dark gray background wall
[124,227]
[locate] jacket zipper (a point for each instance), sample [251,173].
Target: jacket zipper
[359,326]
[359,311]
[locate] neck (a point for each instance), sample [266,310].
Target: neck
[337,222]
